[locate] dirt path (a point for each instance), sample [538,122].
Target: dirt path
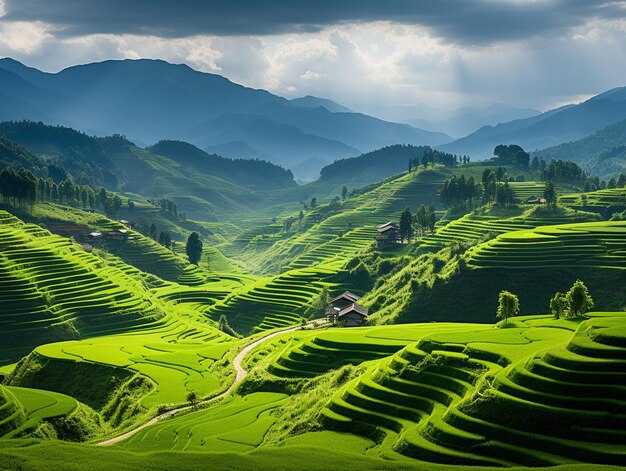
[241,374]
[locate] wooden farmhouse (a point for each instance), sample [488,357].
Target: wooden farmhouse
[345,311]
[388,234]
[536,200]
[352,316]
[344,300]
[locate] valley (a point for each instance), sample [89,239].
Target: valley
[312,235]
[119,341]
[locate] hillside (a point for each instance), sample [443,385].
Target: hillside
[372,166]
[256,174]
[148,100]
[603,153]
[200,183]
[554,127]
[54,290]
[532,263]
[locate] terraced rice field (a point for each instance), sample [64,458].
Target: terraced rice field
[606,201]
[337,237]
[237,425]
[310,258]
[476,225]
[270,303]
[313,353]
[50,289]
[596,244]
[177,355]
[23,409]
[532,394]
[524,190]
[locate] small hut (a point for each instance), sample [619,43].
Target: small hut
[352,316]
[388,234]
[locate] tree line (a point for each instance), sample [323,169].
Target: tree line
[432,156]
[22,187]
[575,303]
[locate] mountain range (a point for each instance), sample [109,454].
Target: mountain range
[150,100]
[603,153]
[554,127]
[455,122]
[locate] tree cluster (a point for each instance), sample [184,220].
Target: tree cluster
[511,155]
[459,191]
[432,156]
[420,223]
[22,187]
[575,303]
[565,171]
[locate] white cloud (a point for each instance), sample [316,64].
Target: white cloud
[23,36]
[310,75]
[366,63]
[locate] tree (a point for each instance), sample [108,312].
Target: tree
[344,193]
[300,218]
[192,399]
[578,299]
[313,202]
[194,248]
[558,305]
[508,306]
[550,194]
[153,231]
[406,225]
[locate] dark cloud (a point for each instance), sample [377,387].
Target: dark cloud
[459,21]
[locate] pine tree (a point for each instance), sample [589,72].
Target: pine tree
[406,225]
[194,248]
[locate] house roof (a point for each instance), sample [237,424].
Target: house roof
[354,307]
[387,226]
[348,296]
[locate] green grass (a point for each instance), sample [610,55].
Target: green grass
[606,201]
[596,244]
[51,289]
[490,397]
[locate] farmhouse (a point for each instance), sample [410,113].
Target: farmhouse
[388,234]
[536,200]
[352,316]
[344,300]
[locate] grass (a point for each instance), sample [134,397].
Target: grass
[127,330]
[596,244]
[489,396]
[52,289]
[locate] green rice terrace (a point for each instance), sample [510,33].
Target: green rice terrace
[302,341]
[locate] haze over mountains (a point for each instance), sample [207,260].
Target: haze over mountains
[564,124]
[152,100]
[149,100]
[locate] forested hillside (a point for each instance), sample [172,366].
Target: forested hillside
[603,153]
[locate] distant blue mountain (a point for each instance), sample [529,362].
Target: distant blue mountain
[315,102]
[565,124]
[150,100]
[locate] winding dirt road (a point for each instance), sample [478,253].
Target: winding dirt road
[241,374]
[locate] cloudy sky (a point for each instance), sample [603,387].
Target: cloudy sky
[536,53]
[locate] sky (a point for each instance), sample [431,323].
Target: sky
[361,53]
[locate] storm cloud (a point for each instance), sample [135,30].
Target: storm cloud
[462,22]
[366,54]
